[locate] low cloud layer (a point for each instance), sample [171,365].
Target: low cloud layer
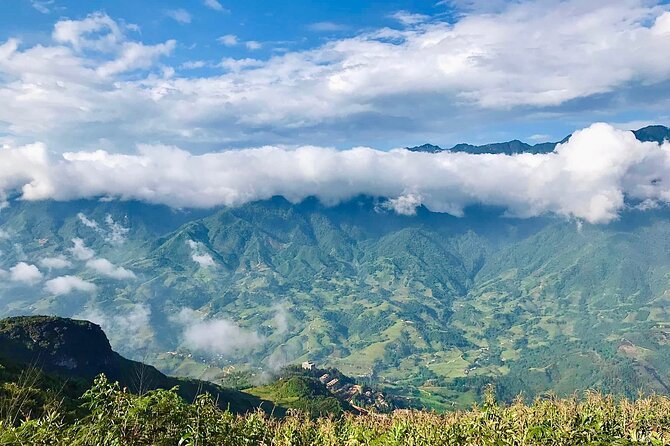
[198,254]
[588,178]
[24,272]
[108,269]
[80,251]
[216,336]
[68,284]
[57,262]
[128,326]
[113,232]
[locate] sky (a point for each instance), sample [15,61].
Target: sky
[210,75]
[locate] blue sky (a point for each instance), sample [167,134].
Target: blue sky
[211,75]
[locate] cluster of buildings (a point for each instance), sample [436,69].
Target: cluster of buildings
[359,396]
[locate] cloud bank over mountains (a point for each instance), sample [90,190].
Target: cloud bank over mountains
[589,177]
[93,83]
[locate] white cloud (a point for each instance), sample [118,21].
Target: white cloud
[57,262]
[588,177]
[193,64]
[179,15]
[68,284]
[43,6]
[253,45]
[128,327]
[326,27]
[524,57]
[23,272]
[80,251]
[88,222]
[240,64]
[204,260]
[4,235]
[228,40]
[114,232]
[108,269]
[215,336]
[215,5]
[405,204]
[135,56]
[198,254]
[96,32]
[408,18]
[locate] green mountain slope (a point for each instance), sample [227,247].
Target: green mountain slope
[75,352]
[432,305]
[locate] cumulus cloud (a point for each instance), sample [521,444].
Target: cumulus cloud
[228,40]
[23,272]
[108,269]
[68,284]
[134,56]
[526,56]
[98,31]
[57,262]
[405,204]
[588,177]
[199,255]
[80,251]
[215,336]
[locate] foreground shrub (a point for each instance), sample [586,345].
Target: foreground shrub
[117,417]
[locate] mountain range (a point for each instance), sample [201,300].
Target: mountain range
[655,133]
[430,305]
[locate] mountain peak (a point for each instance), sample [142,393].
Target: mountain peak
[54,342]
[426,148]
[653,133]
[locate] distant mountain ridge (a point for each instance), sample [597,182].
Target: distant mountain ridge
[655,133]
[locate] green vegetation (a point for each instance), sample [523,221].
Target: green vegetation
[39,408]
[112,416]
[303,393]
[44,359]
[432,307]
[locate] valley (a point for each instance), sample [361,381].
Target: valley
[429,306]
